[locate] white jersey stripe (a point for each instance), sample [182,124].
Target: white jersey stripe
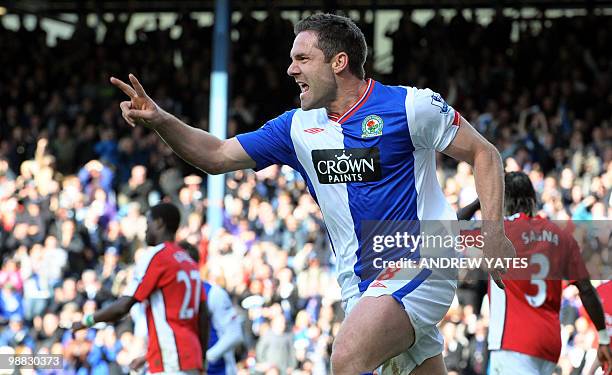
[497,306]
[165,336]
[425,177]
[332,198]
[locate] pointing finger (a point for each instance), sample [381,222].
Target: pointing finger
[124,87]
[139,89]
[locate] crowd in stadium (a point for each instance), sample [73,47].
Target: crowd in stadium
[76,181]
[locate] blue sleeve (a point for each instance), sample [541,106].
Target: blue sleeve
[270,144]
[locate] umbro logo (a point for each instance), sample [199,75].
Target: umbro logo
[377,284]
[314,130]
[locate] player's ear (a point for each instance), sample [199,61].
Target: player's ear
[340,62]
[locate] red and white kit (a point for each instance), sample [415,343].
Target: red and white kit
[525,316]
[170,280]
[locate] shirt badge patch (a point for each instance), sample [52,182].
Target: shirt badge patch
[371,126]
[436,99]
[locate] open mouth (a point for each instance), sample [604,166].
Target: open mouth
[303,87]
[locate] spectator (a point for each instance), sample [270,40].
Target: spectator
[36,293]
[73,243]
[64,149]
[16,334]
[137,189]
[275,349]
[49,332]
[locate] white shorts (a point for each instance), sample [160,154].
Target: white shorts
[426,303]
[506,362]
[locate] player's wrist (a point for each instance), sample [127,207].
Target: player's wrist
[604,337]
[492,228]
[163,119]
[88,320]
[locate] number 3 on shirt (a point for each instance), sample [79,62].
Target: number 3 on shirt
[186,311]
[539,280]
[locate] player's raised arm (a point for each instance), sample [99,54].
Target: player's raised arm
[195,146]
[469,146]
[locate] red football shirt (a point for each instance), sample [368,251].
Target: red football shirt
[170,280]
[525,316]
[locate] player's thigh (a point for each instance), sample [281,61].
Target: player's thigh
[376,329]
[425,304]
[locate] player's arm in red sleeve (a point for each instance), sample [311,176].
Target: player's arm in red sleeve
[110,313]
[146,276]
[203,323]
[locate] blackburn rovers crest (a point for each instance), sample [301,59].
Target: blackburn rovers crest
[372,126]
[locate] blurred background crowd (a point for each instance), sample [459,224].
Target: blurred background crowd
[75,180]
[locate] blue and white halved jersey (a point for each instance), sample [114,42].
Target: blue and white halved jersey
[375,162]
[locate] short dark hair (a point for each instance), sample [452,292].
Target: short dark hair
[337,34]
[519,195]
[169,215]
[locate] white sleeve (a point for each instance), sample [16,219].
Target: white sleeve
[433,123]
[225,320]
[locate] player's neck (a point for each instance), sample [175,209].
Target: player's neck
[349,93]
[165,238]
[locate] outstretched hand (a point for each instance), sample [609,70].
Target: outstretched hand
[140,109]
